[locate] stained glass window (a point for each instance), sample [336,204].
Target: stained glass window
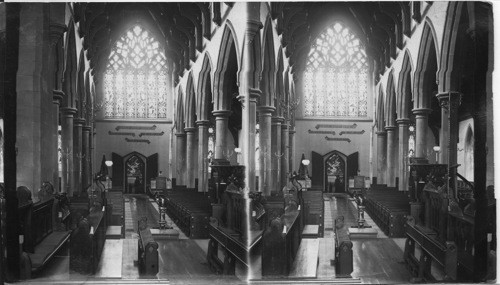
[336,74]
[135,81]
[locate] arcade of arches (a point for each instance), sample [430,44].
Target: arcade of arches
[259,140]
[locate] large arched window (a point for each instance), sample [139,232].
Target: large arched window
[335,79]
[135,81]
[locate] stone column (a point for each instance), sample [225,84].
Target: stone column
[248,127]
[180,168]
[86,157]
[202,155]
[265,149]
[381,156]
[276,153]
[285,154]
[190,156]
[67,180]
[391,156]
[221,122]
[56,99]
[291,150]
[421,122]
[449,103]
[403,153]
[77,155]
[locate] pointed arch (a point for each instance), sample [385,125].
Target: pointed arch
[190,105]
[403,91]
[204,89]
[70,68]
[455,30]
[267,83]
[226,69]
[286,95]
[380,109]
[256,60]
[179,114]
[426,64]
[81,84]
[390,101]
[279,85]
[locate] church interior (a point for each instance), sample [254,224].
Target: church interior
[247,142]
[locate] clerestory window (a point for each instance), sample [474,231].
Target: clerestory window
[336,75]
[135,81]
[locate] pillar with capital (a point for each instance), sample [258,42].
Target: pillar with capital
[77,155]
[403,125]
[86,174]
[202,155]
[276,153]
[284,154]
[180,158]
[291,150]
[265,148]
[391,156]
[221,130]
[190,156]
[421,125]
[381,156]
[67,181]
[56,100]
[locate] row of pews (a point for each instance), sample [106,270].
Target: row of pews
[388,208]
[190,210]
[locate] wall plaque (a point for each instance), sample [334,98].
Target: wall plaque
[353,126]
[137,140]
[338,139]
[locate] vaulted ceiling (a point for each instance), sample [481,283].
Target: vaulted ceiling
[182,26]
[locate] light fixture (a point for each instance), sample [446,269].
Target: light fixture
[436,148]
[237,150]
[109,163]
[305,162]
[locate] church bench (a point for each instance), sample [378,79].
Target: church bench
[388,208]
[147,254]
[313,209]
[190,210]
[343,249]
[87,242]
[42,236]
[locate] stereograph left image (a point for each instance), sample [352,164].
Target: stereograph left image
[247,142]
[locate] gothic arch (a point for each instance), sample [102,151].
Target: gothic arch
[390,101]
[226,63]
[204,90]
[267,83]
[81,83]
[404,94]
[380,109]
[190,102]
[255,69]
[279,84]
[427,57]
[70,68]
[286,95]
[179,118]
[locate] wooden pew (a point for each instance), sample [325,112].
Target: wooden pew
[388,208]
[147,255]
[87,242]
[40,240]
[343,249]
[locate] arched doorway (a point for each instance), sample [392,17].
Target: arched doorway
[135,170]
[335,173]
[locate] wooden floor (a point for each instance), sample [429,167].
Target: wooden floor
[378,260]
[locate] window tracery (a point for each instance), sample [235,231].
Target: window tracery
[336,75]
[135,81]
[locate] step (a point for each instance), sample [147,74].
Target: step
[306,261]
[164,234]
[110,264]
[310,231]
[114,232]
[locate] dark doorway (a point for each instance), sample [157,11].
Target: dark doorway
[135,175]
[335,173]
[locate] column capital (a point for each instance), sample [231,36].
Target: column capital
[56,31]
[403,121]
[78,122]
[180,135]
[277,120]
[284,126]
[57,96]
[265,110]
[291,131]
[202,123]
[221,113]
[390,128]
[253,94]
[451,96]
[190,129]
[68,111]
[86,128]
[381,133]
[421,111]
[253,26]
